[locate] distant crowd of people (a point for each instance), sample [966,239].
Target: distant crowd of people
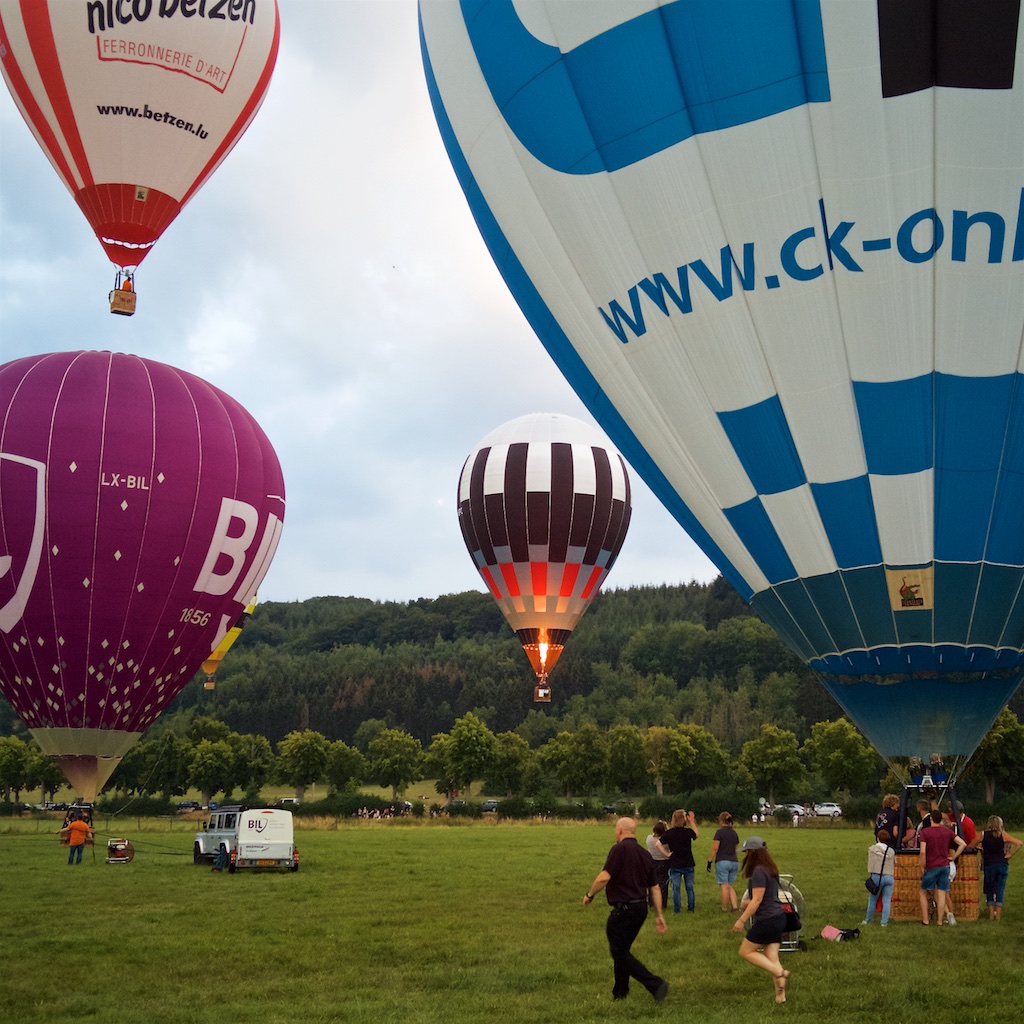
[381,812]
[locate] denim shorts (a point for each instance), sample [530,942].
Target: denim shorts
[726,871]
[936,878]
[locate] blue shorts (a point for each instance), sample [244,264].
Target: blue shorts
[936,878]
[726,871]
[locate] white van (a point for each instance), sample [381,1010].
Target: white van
[247,837]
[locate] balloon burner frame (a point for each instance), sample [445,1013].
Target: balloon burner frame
[932,781]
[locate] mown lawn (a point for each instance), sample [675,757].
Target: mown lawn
[424,922]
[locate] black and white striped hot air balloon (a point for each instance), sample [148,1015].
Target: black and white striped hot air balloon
[544,504]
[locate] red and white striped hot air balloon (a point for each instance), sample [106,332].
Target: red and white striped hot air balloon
[544,504]
[136,102]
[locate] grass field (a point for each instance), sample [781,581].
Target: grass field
[428,922]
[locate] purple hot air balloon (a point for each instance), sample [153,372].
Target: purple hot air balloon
[140,508]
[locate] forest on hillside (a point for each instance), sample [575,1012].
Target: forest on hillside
[319,681]
[644,656]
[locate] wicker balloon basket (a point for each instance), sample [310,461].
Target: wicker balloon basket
[962,898]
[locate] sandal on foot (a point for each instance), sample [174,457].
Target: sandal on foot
[780,986]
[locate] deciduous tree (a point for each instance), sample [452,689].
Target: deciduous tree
[346,767]
[512,755]
[470,751]
[301,759]
[211,768]
[1000,757]
[13,766]
[396,760]
[627,765]
[841,756]
[773,759]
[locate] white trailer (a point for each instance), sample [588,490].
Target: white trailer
[247,837]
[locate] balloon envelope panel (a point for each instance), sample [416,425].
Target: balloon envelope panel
[781,259]
[544,506]
[136,104]
[139,510]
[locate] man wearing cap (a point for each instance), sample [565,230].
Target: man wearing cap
[628,876]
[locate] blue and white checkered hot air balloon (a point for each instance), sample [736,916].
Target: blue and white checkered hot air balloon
[777,247]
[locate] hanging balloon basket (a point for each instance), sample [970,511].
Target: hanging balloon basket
[120,851]
[122,297]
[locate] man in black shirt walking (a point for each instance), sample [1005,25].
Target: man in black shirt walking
[628,876]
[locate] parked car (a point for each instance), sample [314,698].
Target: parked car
[489,805]
[623,807]
[189,805]
[793,809]
[828,810]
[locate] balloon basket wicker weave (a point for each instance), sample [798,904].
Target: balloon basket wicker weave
[962,898]
[122,302]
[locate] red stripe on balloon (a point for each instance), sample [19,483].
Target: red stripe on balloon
[569,576]
[593,583]
[539,579]
[489,580]
[508,574]
[247,114]
[39,31]
[33,112]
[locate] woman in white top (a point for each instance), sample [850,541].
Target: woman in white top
[660,858]
[881,861]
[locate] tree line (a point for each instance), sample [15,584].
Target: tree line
[621,762]
[660,689]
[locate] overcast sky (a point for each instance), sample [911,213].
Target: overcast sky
[331,279]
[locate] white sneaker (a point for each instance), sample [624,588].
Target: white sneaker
[950,919]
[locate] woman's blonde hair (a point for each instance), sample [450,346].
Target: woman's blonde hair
[678,818]
[890,800]
[725,818]
[994,825]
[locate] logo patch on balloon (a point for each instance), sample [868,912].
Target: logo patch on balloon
[21,541]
